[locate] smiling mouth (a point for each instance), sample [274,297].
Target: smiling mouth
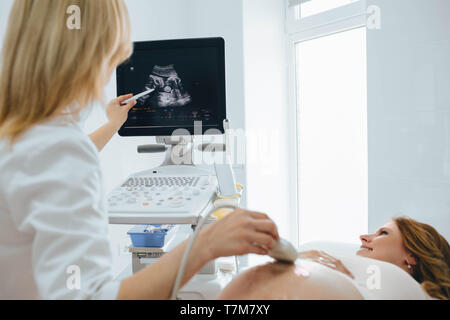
[365,248]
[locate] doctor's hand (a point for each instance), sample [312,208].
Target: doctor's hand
[118,113]
[241,232]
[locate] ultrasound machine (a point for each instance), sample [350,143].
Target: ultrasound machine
[186,84]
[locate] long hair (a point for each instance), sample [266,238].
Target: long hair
[47,67]
[432,253]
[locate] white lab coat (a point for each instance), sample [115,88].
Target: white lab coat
[53,216]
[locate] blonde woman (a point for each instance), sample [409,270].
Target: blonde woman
[52,214]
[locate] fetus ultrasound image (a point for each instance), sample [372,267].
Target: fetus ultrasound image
[168,86]
[185,83]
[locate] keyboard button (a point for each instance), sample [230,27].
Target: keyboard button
[176,204]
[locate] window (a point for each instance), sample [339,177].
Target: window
[322,16]
[328,93]
[332,137]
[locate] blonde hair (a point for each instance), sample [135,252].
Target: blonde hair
[432,254]
[46,66]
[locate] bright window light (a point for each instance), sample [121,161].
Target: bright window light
[317,6]
[332,137]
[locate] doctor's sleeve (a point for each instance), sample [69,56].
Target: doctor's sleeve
[57,201]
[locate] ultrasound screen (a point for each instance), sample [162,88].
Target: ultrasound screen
[186,83]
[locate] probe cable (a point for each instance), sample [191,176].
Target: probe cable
[217,205]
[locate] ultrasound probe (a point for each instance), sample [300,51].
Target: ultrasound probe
[140,95]
[284,252]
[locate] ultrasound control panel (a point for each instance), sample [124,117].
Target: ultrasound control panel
[161,199]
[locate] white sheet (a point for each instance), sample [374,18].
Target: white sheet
[375,280]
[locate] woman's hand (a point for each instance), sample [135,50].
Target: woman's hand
[118,113]
[239,233]
[326,260]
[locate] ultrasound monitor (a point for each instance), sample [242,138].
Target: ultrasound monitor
[188,78]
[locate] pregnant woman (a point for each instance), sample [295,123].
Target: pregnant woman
[404,259]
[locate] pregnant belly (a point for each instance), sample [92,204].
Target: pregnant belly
[305,280]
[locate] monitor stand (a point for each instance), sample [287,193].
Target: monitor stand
[178,150]
[178,156]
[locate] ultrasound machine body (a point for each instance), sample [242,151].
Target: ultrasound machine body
[188,99]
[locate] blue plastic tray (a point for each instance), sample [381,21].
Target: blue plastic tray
[143,239]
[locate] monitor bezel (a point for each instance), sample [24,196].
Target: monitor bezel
[218,43]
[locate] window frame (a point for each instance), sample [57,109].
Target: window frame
[326,23]
[350,14]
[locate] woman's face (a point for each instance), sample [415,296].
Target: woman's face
[386,245]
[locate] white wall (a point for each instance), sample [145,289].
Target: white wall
[5,7]
[173,19]
[409,113]
[270,148]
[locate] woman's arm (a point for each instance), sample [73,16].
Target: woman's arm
[117,115]
[102,135]
[239,233]
[326,260]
